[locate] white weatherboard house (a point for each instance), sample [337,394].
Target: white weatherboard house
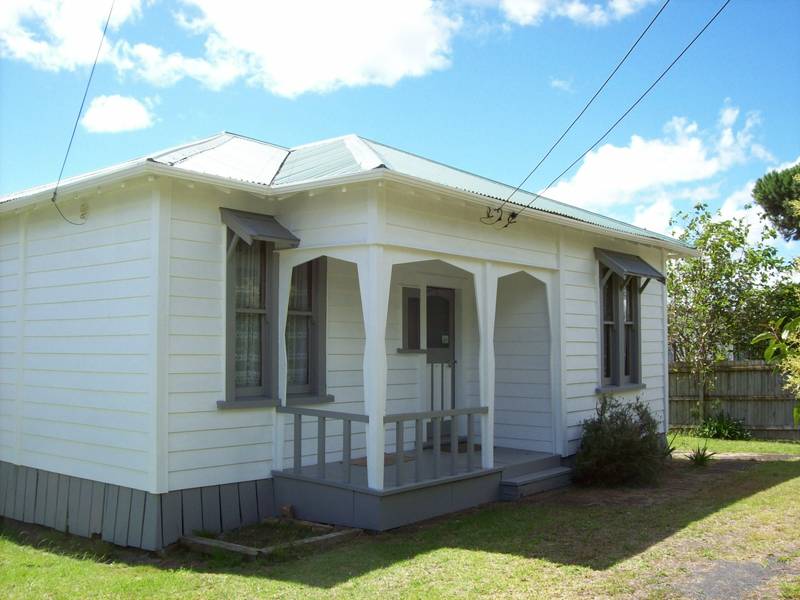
[238,326]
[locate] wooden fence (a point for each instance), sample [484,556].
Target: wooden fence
[746,389]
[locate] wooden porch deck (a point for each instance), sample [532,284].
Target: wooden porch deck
[334,473]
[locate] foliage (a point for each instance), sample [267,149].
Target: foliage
[700,457]
[722,426]
[721,298]
[783,350]
[670,447]
[778,193]
[620,445]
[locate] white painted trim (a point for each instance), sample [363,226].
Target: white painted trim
[154,168]
[562,335]
[374,275]
[22,268]
[160,233]
[665,344]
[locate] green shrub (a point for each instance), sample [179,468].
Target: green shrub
[621,445]
[722,426]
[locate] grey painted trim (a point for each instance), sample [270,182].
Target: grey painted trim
[625,387]
[247,404]
[411,351]
[435,414]
[328,414]
[308,399]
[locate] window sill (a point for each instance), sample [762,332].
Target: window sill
[245,404]
[411,351]
[625,387]
[307,399]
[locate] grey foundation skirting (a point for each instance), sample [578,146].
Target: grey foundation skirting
[125,516]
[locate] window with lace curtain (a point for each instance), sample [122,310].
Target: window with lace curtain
[250,299]
[620,328]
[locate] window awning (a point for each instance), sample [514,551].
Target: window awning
[627,265]
[253,226]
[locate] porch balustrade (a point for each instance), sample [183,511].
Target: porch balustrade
[425,451]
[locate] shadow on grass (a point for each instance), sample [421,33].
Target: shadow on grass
[592,528]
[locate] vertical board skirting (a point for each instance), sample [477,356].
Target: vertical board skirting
[229,506]
[110,512]
[192,507]
[212,521]
[125,516]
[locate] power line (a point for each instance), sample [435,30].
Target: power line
[580,114]
[78,117]
[513,216]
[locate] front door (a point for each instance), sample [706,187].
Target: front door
[441,347]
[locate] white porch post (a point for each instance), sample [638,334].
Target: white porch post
[486,299]
[284,282]
[374,274]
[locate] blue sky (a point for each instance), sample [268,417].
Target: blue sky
[484,85]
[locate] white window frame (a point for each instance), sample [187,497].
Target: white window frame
[618,377]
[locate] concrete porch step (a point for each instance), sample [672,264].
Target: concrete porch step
[513,488]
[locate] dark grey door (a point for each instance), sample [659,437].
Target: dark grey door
[441,325]
[440,336]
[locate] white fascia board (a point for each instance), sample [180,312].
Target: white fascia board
[478,199]
[148,167]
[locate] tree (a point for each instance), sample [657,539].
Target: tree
[778,193]
[717,297]
[783,350]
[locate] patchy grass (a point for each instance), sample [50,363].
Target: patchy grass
[733,523]
[687,443]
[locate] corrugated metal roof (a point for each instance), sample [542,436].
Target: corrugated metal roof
[244,159]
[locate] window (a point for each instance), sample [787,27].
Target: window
[620,333]
[249,315]
[411,318]
[305,332]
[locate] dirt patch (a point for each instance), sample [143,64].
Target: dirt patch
[272,532]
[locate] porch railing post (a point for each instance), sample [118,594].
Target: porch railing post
[347,428]
[298,442]
[418,447]
[399,453]
[437,444]
[453,444]
[321,446]
[470,441]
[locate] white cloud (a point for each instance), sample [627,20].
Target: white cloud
[565,85]
[614,176]
[286,47]
[114,114]
[58,34]
[532,12]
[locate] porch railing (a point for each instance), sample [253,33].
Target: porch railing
[323,416]
[437,419]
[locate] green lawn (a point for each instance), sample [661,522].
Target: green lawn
[687,443]
[693,531]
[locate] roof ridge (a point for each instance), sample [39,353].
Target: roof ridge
[253,139]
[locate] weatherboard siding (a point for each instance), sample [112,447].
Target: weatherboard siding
[80,340]
[205,445]
[523,403]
